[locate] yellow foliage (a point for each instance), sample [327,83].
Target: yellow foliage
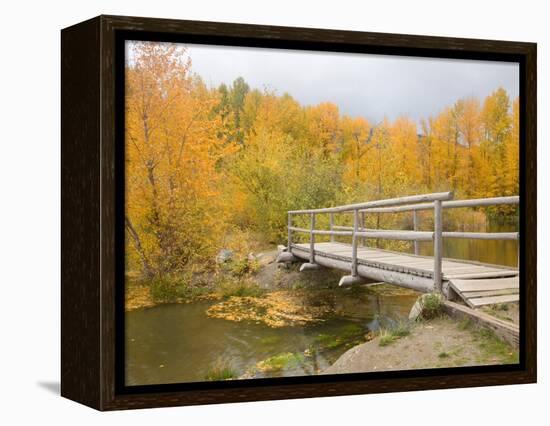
[207,168]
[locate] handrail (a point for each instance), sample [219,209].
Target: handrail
[468,235]
[436,201]
[380,203]
[483,235]
[477,202]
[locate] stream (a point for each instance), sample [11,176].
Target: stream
[179,342]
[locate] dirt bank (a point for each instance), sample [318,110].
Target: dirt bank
[438,343]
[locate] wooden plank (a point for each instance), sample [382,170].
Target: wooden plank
[407,263]
[396,260]
[374,256]
[474,271]
[412,259]
[455,265]
[427,265]
[499,292]
[480,301]
[396,268]
[496,274]
[484,285]
[445,260]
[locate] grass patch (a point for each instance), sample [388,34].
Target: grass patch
[492,347]
[220,369]
[298,285]
[465,324]
[280,362]
[499,311]
[389,336]
[328,341]
[401,329]
[347,335]
[443,355]
[386,338]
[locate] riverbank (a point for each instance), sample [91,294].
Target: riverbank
[230,278]
[264,278]
[438,343]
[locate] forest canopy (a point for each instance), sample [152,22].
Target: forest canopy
[208,166]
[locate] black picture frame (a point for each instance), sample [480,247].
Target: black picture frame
[92,170]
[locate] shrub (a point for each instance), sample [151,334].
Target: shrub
[170,289]
[240,287]
[243,267]
[432,306]
[166,289]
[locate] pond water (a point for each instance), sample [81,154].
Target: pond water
[498,252]
[179,342]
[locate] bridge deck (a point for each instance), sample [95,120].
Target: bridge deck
[405,263]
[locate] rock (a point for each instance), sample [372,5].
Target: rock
[224,255]
[418,307]
[286,257]
[281,248]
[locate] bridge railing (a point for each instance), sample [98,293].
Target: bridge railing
[436,202]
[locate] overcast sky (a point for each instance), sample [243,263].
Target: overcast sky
[372,86]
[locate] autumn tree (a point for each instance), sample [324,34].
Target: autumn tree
[356,140]
[230,109]
[171,154]
[205,163]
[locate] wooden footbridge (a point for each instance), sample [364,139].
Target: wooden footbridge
[475,283]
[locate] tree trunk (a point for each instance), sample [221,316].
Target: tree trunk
[147,269]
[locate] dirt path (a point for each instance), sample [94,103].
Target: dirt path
[438,343]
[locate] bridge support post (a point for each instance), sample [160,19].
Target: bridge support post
[354,244]
[331,218]
[312,239]
[438,246]
[289,246]
[364,240]
[415,228]
[311,265]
